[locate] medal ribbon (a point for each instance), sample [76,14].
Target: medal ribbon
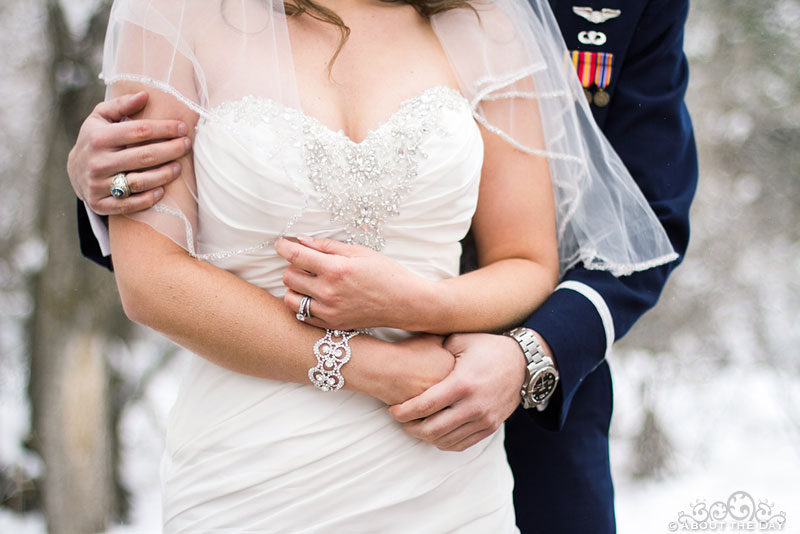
[593,68]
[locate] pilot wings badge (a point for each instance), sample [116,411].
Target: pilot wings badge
[596,17]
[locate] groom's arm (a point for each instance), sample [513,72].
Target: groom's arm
[648,124]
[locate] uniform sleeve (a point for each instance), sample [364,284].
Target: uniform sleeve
[648,125]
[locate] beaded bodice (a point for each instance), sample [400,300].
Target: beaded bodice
[264,171]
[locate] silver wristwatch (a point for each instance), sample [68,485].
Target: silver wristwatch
[542,376]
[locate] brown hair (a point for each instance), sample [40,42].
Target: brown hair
[425,8]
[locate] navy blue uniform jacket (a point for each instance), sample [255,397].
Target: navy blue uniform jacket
[560,456]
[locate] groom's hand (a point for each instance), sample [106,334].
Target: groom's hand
[481,392]
[108,144]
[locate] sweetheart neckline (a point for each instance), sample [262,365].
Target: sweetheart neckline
[372,132]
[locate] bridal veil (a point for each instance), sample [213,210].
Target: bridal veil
[511,65]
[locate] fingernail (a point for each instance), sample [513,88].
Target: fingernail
[182,129]
[135,96]
[158,193]
[176,170]
[188,143]
[304,238]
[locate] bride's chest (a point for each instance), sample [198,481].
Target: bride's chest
[280,164]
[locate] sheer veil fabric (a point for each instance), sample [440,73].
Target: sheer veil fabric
[511,65]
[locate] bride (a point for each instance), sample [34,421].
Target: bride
[342,149]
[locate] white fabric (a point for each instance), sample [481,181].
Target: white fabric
[511,64]
[599,304]
[252,455]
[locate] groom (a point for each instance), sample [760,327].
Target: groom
[629,58]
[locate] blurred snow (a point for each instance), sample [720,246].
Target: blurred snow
[22,110]
[15,426]
[14,408]
[77,13]
[142,432]
[731,429]
[24,524]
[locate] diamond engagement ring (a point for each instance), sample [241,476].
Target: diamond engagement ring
[119,186]
[304,310]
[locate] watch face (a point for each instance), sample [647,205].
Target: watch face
[542,385]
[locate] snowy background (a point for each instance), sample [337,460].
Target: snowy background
[707,386]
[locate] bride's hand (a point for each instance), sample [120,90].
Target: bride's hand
[351,286]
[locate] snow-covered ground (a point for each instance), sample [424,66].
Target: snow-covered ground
[731,430]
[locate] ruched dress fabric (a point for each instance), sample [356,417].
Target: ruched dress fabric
[246,454]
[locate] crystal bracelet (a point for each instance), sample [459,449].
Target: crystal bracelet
[332,352]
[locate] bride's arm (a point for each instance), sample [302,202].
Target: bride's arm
[514,229]
[240,326]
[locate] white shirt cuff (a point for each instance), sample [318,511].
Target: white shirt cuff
[100,231]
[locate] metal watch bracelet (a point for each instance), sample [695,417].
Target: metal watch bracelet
[541,375]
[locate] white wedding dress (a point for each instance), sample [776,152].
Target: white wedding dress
[251,455]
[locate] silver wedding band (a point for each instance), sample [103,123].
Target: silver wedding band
[304,310]
[119,186]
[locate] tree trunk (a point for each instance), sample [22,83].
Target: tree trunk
[75,310]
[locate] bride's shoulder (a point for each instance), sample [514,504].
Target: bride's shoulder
[488,37]
[183,24]
[489,13]
[485,20]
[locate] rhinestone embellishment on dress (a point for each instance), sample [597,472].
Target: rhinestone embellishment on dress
[360,184]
